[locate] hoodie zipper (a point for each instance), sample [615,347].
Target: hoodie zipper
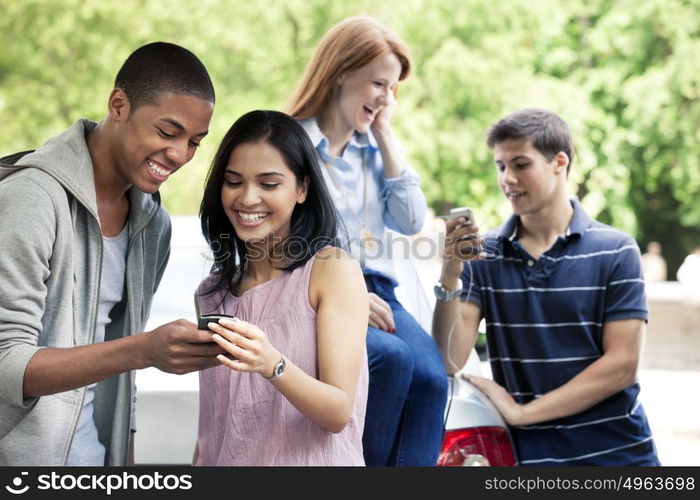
[91,341]
[129,305]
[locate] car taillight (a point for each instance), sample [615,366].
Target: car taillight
[477,446]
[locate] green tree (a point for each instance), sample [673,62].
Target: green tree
[623,73]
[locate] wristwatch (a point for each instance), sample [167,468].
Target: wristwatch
[278,370]
[445,295]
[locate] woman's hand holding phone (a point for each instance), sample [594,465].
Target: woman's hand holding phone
[247,346]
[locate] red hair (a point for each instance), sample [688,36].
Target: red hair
[349,45]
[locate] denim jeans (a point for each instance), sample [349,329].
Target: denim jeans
[407,389]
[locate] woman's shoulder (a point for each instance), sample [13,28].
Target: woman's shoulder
[334,256]
[333,266]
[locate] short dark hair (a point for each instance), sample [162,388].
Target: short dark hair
[162,67]
[548,132]
[314,223]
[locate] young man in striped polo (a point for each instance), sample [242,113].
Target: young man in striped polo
[563,300]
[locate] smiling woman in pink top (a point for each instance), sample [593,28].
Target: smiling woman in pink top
[293,388]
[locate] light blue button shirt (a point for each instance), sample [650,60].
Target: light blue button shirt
[392,203]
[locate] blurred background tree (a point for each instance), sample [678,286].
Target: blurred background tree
[625,74]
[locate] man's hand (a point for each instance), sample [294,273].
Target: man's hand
[179,347]
[511,411]
[461,241]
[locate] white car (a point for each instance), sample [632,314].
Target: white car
[475,434]
[167,405]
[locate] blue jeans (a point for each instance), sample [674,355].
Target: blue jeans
[407,389]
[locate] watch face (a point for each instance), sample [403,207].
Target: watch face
[440,293]
[445,295]
[279,368]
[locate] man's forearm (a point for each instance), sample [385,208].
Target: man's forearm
[449,335]
[176,347]
[614,371]
[602,379]
[454,339]
[53,370]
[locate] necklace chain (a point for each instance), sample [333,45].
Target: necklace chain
[365,234]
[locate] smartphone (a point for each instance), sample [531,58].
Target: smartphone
[205,319]
[465,212]
[468,214]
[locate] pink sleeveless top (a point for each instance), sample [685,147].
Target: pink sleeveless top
[243,418]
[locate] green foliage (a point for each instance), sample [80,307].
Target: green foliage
[625,74]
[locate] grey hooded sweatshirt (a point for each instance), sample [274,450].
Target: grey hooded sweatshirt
[50,262]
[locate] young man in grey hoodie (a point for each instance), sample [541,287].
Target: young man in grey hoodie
[84,243]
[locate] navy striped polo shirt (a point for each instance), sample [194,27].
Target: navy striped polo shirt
[544,325]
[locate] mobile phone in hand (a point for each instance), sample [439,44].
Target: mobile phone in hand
[465,212]
[468,215]
[205,319]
